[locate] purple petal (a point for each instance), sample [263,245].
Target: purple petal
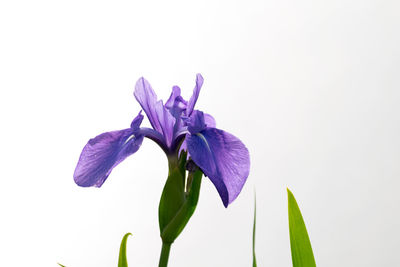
[137,121]
[183,147]
[166,121]
[155,136]
[160,118]
[209,121]
[196,92]
[147,98]
[176,91]
[196,122]
[102,153]
[223,158]
[176,104]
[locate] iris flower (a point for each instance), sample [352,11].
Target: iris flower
[176,126]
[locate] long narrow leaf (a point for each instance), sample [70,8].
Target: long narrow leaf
[302,254]
[122,262]
[254,231]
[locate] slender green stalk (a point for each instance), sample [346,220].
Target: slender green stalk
[164,255]
[254,232]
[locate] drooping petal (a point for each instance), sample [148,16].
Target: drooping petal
[196,92]
[223,158]
[102,153]
[160,118]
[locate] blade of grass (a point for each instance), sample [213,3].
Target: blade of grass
[302,254]
[122,262]
[254,232]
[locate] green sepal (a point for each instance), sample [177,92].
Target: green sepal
[302,254]
[177,204]
[122,261]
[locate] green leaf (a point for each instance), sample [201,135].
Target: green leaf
[60,264]
[122,262]
[254,232]
[302,254]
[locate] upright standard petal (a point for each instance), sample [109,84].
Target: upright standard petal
[167,122]
[223,158]
[176,104]
[102,153]
[160,119]
[147,98]
[196,92]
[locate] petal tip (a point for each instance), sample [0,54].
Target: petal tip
[226,203]
[199,77]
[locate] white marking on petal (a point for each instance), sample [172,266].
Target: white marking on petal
[204,140]
[128,139]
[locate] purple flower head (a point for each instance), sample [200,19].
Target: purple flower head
[175,126]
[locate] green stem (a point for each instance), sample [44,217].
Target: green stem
[164,255]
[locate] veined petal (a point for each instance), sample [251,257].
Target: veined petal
[160,118]
[166,121]
[223,158]
[147,98]
[196,92]
[102,153]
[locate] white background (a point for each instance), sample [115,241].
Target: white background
[311,87]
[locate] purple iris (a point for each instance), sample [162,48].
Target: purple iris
[175,126]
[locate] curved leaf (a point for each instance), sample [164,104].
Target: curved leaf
[122,262]
[302,254]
